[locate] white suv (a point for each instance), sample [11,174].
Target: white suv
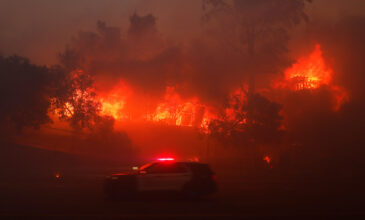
[190,178]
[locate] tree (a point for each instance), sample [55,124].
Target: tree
[74,98]
[24,94]
[257,30]
[141,26]
[28,92]
[232,127]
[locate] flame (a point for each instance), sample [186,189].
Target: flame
[113,102]
[57,175]
[171,110]
[311,72]
[308,73]
[69,110]
[112,108]
[236,99]
[267,159]
[175,111]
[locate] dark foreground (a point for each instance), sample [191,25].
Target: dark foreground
[82,198]
[29,190]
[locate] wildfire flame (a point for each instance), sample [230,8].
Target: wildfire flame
[175,111]
[311,72]
[112,108]
[171,110]
[308,73]
[113,102]
[267,159]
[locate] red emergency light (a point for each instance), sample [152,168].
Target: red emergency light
[166,159]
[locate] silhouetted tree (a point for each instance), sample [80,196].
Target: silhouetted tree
[142,25]
[74,98]
[233,129]
[258,30]
[24,94]
[29,92]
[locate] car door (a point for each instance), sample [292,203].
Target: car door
[164,176]
[179,175]
[150,178]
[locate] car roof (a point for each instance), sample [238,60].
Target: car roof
[188,163]
[181,162]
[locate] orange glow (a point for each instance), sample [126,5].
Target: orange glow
[194,159]
[267,159]
[112,108]
[172,110]
[69,110]
[309,72]
[236,99]
[175,111]
[113,103]
[340,95]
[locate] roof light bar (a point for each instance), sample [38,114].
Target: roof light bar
[166,159]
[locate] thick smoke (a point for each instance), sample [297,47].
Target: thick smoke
[210,67]
[303,125]
[141,57]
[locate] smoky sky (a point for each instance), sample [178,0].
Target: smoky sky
[39,29]
[174,52]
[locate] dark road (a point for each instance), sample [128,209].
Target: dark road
[83,199]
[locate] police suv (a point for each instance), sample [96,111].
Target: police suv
[191,179]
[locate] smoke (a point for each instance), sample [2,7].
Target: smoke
[40,29]
[209,67]
[143,58]
[346,46]
[139,52]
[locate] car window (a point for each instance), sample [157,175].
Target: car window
[166,168]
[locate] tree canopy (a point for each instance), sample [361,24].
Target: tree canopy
[24,93]
[257,30]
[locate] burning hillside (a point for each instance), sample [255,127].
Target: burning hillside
[234,85]
[170,110]
[309,72]
[264,97]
